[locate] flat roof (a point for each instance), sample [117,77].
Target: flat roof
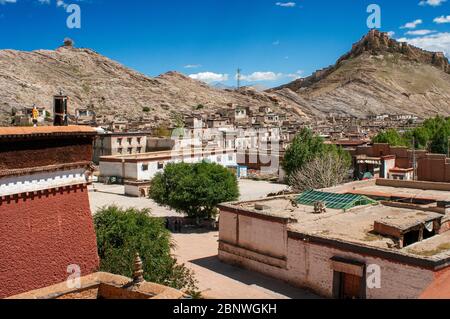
[397,189]
[354,226]
[11,132]
[164,155]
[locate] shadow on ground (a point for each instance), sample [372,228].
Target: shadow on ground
[251,278]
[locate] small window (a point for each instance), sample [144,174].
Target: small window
[145,167]
[120,150]
[130,150]
[139,140]
[160,165]
[139,149]
[219,158]
[130,140]
[230,157]
[119,141]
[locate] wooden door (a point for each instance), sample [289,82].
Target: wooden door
[350,286]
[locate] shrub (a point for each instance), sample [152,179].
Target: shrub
[121,233]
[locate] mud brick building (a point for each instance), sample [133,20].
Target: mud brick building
[45,220]
[403,235]
[385,161]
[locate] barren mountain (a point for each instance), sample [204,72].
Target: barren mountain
[110,89]
[379,75]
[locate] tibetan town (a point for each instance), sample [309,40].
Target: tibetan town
[325,183]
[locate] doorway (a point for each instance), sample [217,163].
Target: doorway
[350,286]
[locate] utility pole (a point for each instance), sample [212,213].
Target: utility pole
[239,78]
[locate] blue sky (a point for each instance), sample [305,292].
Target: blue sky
[272,42]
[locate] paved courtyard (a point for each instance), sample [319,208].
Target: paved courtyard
[199,250]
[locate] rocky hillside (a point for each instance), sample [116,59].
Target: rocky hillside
[379,75]
[110,89]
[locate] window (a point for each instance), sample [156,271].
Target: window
[119,141]
[139,149]
[120,150]
[145,167]
[160,165]
[139,140]
[130,150]
[130,140]
[219,158]
[230,157]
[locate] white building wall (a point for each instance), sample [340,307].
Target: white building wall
[111,169]
[40,181]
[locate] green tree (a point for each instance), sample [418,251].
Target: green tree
[439,141]
[391,137]
[305,146]
[194,189]
[121,233]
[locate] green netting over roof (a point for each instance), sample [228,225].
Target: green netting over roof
[334,201]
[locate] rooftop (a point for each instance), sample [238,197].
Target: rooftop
[164,155]
[11,132]
[357,225]
[104,286]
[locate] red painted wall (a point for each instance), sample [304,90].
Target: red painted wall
[41,236]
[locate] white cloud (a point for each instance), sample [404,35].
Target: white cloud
[442,19]
[192,66]
[391,33]
[276,42]
[7,1]
[209,77]
[412,25]
[420,32]
[269,76]
[261,76]
[286,4]
[439,42]
[295,76]
[432,3]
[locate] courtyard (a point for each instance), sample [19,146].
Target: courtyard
[198,250]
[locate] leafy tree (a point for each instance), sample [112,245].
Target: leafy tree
[163,131]
[432,136]
[391,137]
[121,233]
[305,146]
[194,189]
[326,170]
[439,141]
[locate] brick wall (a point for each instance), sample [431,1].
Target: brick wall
[41,236]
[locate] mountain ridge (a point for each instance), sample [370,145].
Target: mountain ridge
[377,75]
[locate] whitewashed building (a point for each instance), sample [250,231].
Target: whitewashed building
[136,171]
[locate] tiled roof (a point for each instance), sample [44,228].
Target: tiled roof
[45,130]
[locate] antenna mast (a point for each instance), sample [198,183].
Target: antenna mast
[239,78]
